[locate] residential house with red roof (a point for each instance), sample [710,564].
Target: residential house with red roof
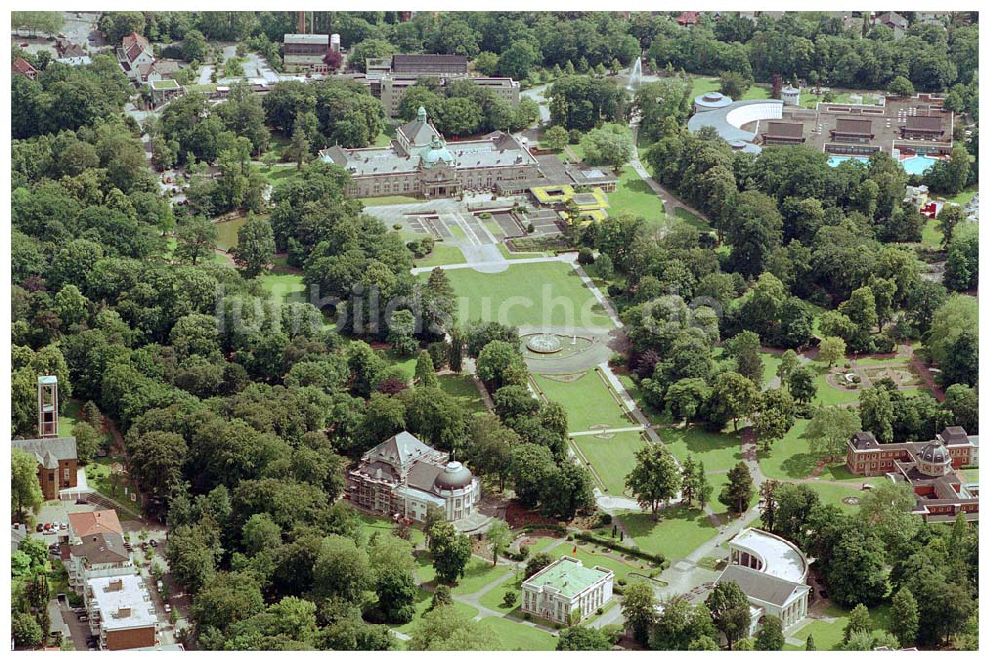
[24,68]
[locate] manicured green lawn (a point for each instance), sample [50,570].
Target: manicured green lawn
[789,457]
[288,288]
[591,556]
[684,215]
[407,366]
[611,458]
[718,451]
[703,84]
[441,256]
[831,494]
[376,524]
[963,197]
[478,573]
[771,362]
[463,387]
[423,604]
[542,295]
[520,636]
[716,480]
[827,394]
[588,401]
[382,140]
[827,635]
[656,418]
[494,598]
[634,196]
[277,173]
[677,533]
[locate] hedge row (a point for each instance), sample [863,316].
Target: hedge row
[621,548]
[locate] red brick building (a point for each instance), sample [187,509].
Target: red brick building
[867,457]
[57,462]
[927,467]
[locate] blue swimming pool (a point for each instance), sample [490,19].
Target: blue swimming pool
[837,160]
[916,166]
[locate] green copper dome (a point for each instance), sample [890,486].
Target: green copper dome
[436,152]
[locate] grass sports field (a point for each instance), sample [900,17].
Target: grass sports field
[589,403]
[543,295]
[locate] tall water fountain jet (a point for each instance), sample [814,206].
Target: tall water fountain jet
[635,77]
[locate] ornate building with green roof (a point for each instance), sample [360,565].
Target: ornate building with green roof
[419,162]
[566,590]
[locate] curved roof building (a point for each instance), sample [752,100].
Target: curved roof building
[729,120]
[772,572]
[711,100]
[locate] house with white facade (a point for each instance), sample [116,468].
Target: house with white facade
[566,590]
[772,573]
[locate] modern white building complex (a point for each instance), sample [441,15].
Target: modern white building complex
[403,477]
[736,122]
[565,588]
[772,573]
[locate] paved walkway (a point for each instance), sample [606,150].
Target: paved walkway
[479,266]
[607,431]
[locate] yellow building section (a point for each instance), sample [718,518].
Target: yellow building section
[595,200]
[585,217]
[554,194]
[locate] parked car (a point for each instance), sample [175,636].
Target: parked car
[159,586]
[166,608]
[39,527]
[64,527]
[154,543]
